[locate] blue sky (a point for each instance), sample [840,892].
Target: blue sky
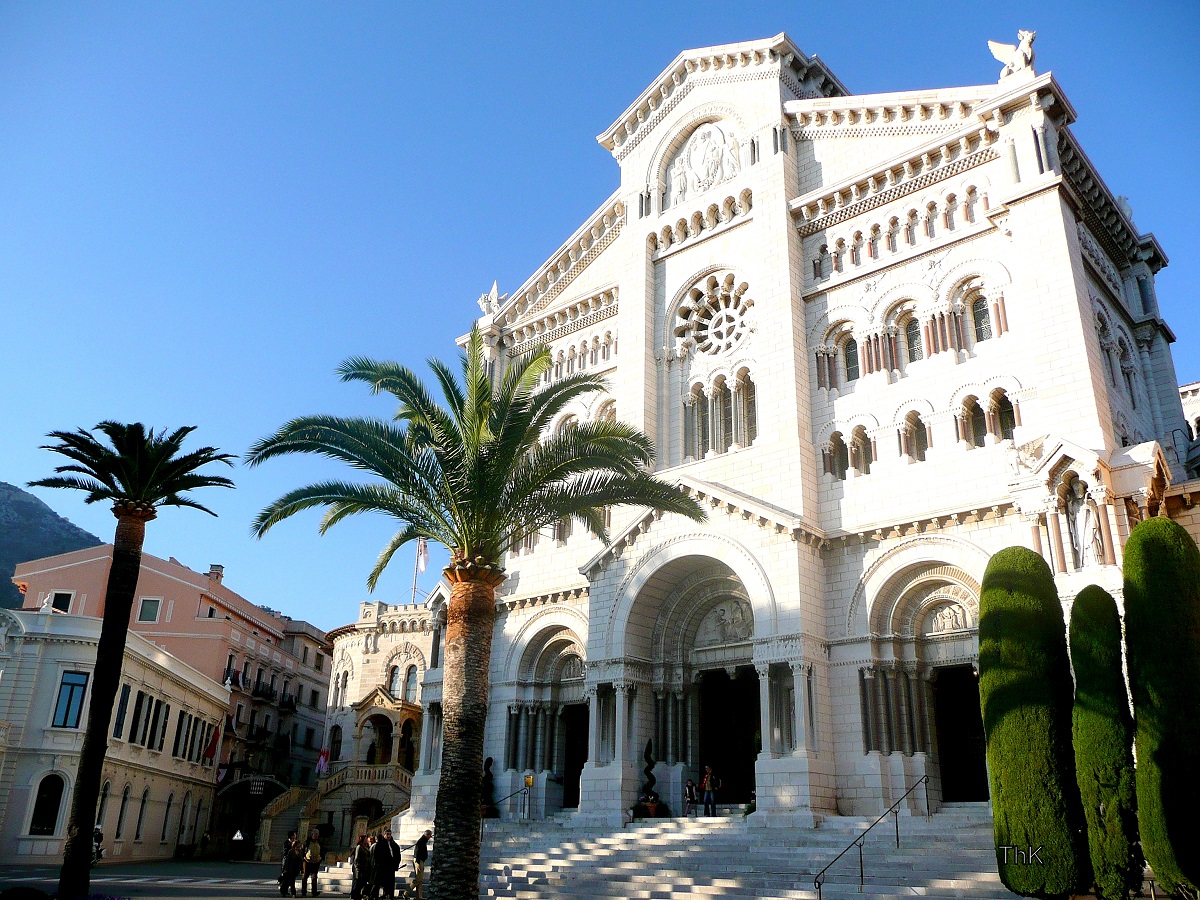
[204,208]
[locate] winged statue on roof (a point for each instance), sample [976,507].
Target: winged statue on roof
[1017,58]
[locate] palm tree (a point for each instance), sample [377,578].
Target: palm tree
[475,475]
[141,471]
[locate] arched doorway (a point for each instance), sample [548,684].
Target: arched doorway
[377,734]
[408,746]
[961,748]
[730,738]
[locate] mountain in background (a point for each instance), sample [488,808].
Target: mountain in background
[29,529]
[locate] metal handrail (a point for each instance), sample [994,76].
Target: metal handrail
[819,879]
[524,792]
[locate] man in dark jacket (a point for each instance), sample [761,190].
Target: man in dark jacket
[360,865]
[420,855]
[385,860]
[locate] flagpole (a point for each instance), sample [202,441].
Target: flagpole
[416,569]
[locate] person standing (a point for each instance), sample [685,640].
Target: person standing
[710,785]
[420,855]
[691,798]
[293,860]
[313,857]
[385,860]
[360,865]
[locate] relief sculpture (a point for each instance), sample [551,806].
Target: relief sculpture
[730,622]
[710,157]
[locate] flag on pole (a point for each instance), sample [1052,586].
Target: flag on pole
[210,752]
[323,762]
[422,554]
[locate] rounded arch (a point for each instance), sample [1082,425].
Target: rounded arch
[734,555]
[919,405]
[550,619]
[684,127]
[402,654]
[988,275]
[49,804]
[911,592]
[914,552]
[847,425]
[543,655]
[910,297]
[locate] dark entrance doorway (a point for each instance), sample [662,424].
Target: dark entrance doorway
[959,723]
[729,726]
[575,750]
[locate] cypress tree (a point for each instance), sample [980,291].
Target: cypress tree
[1162,638]
[1102,733]
[1025,691]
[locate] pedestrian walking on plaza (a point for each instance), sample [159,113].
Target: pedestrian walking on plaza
[710,785]
[420,855]
[314,855]
[385,860]
[691,798]
[360,865]
[290,867]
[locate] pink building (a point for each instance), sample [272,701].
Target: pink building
[276,666]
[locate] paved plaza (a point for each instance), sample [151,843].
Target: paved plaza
[155,880]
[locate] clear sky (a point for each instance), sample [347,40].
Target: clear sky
[205,207]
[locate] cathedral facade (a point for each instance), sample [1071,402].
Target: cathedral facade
[879,337]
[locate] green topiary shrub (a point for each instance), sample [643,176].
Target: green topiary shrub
[1102,733]
[1162,638]
[1025,691]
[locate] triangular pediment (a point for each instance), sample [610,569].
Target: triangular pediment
[376,697]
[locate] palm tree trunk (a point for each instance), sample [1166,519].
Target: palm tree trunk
[470,617]
[75,877]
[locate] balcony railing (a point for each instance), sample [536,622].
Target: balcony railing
[287,703]
[265,692]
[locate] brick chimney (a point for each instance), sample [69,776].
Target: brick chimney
[215,573]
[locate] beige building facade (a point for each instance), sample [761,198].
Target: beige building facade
[158,783]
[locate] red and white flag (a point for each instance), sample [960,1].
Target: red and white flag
[210,752]
[422,554]
[323,762]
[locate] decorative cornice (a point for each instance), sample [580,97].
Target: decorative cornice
[875,115]
[922,524]
[692,66]
[581,314]
[512,604]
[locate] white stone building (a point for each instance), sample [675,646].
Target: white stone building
[880,337]
[158,784]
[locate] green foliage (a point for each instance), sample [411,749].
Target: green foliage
[1025,693]
[1162,636]
[1102,733]
[478,472]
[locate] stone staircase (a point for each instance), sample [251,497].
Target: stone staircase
[947,856]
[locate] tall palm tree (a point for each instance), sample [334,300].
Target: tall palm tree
[139,470]
[477,475]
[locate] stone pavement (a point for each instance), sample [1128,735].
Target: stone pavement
[160,880]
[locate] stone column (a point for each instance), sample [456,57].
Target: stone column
[526,728]
[593,724]
[620,751]
[669,754]
[537,736]
[1035,533]
[800,686]
[764,708]
[1056,543]
[1103,508]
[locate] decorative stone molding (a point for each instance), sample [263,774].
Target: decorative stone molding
[579,315]
[701,225]
[514,604]
[1093,253]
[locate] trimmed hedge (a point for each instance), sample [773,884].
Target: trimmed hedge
[1102,733]
[1025,692]
[1162,637]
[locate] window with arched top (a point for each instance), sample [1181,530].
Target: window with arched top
[1006,415]
[102,806]
[124,809]
[722,416]
[394,681]
[981,317]
[607,412]
[184,831]
[345,688]
[912,339]
[745,403]
[696,434]
[850,359]
[861,452]
[167,817]
[974,423]
[915,437]
[910,227]
[837,457]
[141,819]
[47,805]
[335,743]
[410,684]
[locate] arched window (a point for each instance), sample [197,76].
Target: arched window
[893,235]
[345,688]
[336,699]
[46,806]
[850,358]
[1006,415]
[335,743]
[167,817]
[861,455]
[181,836]
[394,681]
[102,806]
[607,412]
[912,339]
[916,437]
[974,423]
[745,426]
[121,812]
[696,424]
[722,416]
[910,227]
[837,457]
[137,833]
[410,684]
[982,317]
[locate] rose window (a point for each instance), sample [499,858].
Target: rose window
[715,315]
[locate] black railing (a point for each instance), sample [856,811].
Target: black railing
[524,814]
[287,702]
[861,839]
[265,692]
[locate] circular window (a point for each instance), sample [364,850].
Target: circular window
[715,314]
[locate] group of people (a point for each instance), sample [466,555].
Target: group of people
[374,863]
[709,785]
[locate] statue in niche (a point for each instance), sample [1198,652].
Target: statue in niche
[1083,521]
[1017,58]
